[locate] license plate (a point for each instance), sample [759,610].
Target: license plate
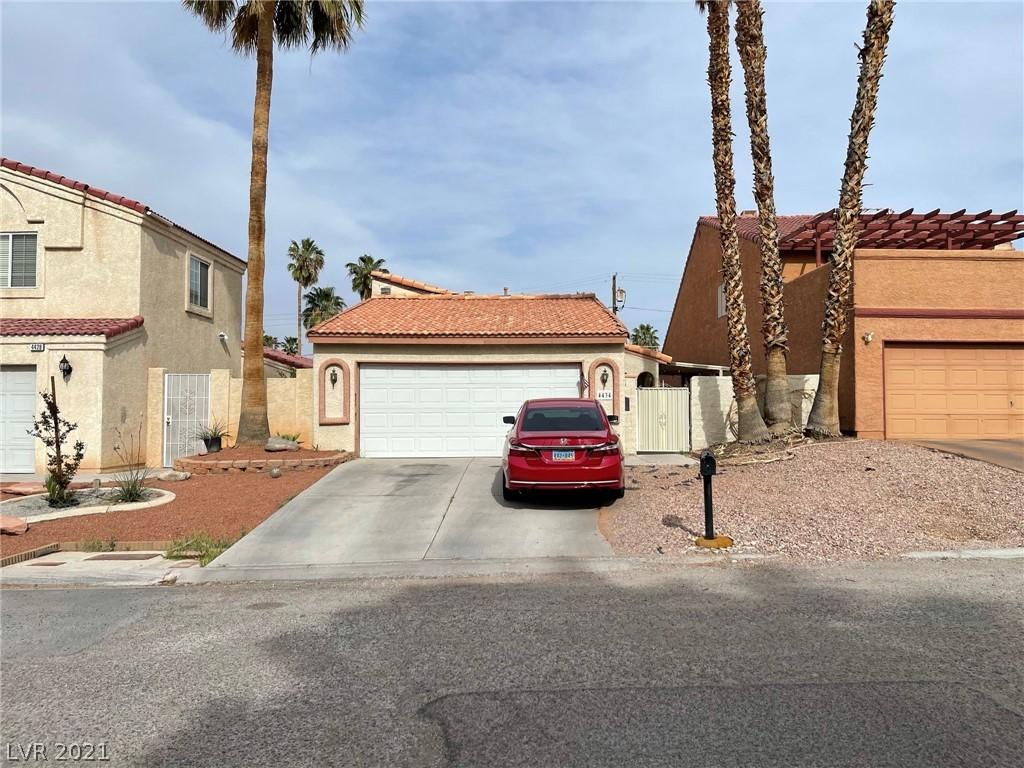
[563,455]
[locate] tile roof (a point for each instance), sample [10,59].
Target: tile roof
[654,354]
[746,224]
[69,326]
[453,316]
[102,194]
[294,361]
[407,282]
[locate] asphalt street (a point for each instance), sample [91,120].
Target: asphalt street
[905,663]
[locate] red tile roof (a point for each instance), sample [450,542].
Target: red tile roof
[654,354]
[407,282]
[579,316]
[886,228]
[294,361]
[69,326]
[102,194]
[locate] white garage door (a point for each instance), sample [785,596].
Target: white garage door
[449,410]
[17,406]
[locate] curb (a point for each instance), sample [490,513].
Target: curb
[1009,553]
[29,554]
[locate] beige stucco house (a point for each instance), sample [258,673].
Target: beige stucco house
[121,293]
[421,371]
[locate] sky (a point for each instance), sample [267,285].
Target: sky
[482,145]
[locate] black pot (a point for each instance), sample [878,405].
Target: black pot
[212,444]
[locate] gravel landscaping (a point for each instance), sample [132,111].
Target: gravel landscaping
[31,506]
[219,505]
[828,501]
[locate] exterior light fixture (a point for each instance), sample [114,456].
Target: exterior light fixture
[604,377]
[334,377]
[868,337]
[65,368]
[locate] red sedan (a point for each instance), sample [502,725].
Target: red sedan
[562,444]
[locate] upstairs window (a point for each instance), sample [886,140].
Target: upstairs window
[198,283]
[721,300]
[18,260]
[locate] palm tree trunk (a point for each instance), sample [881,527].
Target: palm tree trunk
[253,424]
[775,332]
[751,424]
[298,317]
[824,418]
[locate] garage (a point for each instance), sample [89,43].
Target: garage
[449,410]
[17,407]
[960,391]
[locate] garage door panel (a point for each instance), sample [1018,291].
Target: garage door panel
[952,390]
[433,410]
[17,410]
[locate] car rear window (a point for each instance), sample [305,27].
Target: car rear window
[563,419]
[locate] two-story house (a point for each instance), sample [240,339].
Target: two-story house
[101,293]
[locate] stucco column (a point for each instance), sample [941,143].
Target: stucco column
[155,417]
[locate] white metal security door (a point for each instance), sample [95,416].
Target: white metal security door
[186,409]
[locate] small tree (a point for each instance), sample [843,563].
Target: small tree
[53,429]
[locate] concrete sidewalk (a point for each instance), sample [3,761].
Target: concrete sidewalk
[94,569]
[378,512]
[1002,453]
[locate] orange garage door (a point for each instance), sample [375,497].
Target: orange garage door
[954,391]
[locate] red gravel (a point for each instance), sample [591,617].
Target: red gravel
[220,505]
[830,501]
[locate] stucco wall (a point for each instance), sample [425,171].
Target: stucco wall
[87,258]
[289,403]
[344,436]
[125,396]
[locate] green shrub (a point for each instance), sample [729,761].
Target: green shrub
[99,545]
[130,482]
[53,430]
[199,546]
[285,436]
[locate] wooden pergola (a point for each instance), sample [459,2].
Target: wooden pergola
[908,230]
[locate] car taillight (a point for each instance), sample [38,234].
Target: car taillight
[612,446]
[516,448]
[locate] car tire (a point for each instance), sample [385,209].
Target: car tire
[507,493]
[619,493]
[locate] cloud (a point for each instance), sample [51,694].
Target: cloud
[481,145]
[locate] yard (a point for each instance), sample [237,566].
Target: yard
[829,501]
[222,505]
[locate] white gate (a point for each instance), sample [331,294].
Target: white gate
[186,410]
[663,420]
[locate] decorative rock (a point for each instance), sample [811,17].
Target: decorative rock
[12,525]
[172,476]
[275,471]
[275,444]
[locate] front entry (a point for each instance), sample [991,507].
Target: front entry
[663,420]
[186,411]
[449,410]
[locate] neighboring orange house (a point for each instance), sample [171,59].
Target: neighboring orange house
[936,342]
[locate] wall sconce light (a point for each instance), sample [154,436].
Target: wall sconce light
[604,377]
[334,377]
[65,368]
[867,337]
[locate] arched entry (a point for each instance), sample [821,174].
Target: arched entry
[645,380]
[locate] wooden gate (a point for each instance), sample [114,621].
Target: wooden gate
[663,420]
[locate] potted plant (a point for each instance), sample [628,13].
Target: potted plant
[211,434]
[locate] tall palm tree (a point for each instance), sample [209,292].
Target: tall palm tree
[270,341]
[322,303]
[362,282]
[824,418]
[751,426]
[645,335]
[305,260]
[255,25]
[290,345]
[775,332]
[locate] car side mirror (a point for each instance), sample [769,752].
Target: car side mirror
[509,419]
[613,419]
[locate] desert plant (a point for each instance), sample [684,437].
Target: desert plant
[99,545]
[130,482]
[53,430]
[211,434]
[199,546]
[293,437]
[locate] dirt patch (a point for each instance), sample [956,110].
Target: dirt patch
[219,505]
[241,453]
[826,501]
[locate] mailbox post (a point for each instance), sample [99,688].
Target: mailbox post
[708,469]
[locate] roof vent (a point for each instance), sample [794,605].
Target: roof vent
[506,291]
[467,293]
[748,213]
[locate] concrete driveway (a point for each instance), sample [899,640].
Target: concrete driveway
[405,511]
[1003,453]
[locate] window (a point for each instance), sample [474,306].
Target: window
[721,300]
[198,283]
[17,260]
[559,419]
[385,290]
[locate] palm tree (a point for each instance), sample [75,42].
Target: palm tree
[775,332]
[824,418]
[645,335]
[322,303]
[305,260]
[270,341]
[255,25]
[362,283]
[751,426]
[290,345]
